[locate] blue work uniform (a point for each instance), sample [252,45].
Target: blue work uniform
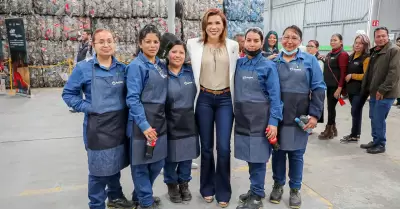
[298,78]
[147,92]
[104,124]
[257,104]
[183,137]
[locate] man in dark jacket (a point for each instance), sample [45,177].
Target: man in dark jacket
[381,83]
[84,47]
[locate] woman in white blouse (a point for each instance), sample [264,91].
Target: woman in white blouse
[213,59]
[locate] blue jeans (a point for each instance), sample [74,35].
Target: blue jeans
[97,192]
[296,164]
[357,103]
[177,172]
[257,173]
[143,177]
[216,109]
[378,112]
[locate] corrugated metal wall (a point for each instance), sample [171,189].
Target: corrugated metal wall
[319,19]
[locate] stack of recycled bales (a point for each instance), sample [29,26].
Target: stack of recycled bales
[243,14]
[52,30]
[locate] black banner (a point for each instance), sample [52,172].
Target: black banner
[16,35]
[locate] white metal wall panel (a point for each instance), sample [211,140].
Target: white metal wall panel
[349,32]
[286,16]
[266,21]
[281,2]
[389,14]
[308,34]
[324,33]
[318,12]
[350,9]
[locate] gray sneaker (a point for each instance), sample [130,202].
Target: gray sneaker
[295,199]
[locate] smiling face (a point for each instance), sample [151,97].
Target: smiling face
[150,45]
[290,40]
[272,40]
[215,27]
[358,45]
[176,56]
[103,43]
[381,38]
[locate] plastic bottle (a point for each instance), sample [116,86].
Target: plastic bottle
[302,125]
[150,148]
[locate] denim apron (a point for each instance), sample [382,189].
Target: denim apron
[153,100]
[183,137]
[295,95]
[106,125]
[251,116]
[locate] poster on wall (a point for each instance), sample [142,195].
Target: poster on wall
[19,58]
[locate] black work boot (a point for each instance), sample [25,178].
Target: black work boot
[121,202]
[295,199]
[276,194]
[367,146]
[252,202]
[173,193]
[185,192]
[376,149]
[153,206]
[156,200]
[243,197]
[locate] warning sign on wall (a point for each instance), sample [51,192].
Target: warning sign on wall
[375,23]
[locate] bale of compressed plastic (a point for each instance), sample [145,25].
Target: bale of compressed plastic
[18,6]
[195,9]
[3,30]
[5,49]
[34,54]
[244,10]
[191,29]
[52,7]
[74,7]
[141,8]
[52,77]
[31,27]
[102,8]
[3,6]
[72,26]
[235,27]
[70,49]
[130,30]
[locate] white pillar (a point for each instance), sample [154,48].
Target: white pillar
[171,16]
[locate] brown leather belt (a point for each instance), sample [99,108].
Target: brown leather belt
[215,92]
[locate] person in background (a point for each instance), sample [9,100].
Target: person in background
[313,49]
[381,83]
[270,47]
[358,65]
[240,39]
[299,74]
[213,59]
[147,92]
[398,99]
[336,62]
[258,107]
[84,46]
[102,80]
[183,138]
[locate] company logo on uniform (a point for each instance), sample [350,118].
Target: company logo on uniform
[295,69]
[187,83]
[332,58]
[247,77]
[117,82]
[356,63]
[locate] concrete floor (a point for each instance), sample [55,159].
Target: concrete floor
[44,163]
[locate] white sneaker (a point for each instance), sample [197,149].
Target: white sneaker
[195,166]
